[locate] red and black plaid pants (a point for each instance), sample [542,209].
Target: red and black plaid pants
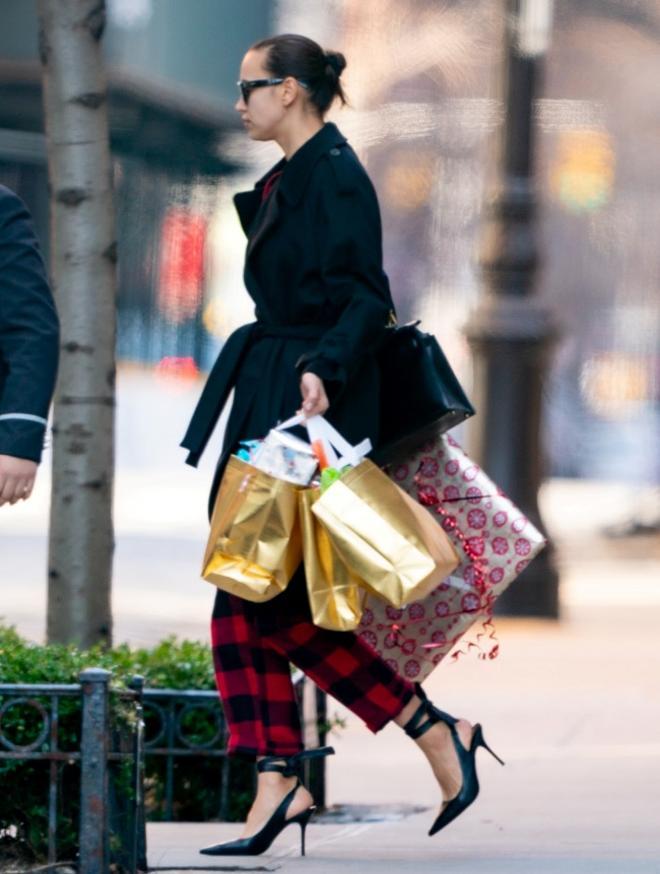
[253,645]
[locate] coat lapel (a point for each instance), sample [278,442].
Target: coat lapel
[270,217]
[247,204]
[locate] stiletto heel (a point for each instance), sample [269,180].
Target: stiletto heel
[482,743]
[288,766]
[303,818]
[427,715]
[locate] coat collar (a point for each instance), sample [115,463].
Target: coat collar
[292,183]
[297,170]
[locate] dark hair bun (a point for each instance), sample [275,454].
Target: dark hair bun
[290,54]
[336,61]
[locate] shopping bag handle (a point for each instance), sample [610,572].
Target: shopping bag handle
[319,428]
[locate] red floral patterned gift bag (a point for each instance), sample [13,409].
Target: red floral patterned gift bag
[495,542]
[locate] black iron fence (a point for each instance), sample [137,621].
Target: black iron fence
[173,719]
[99,746]
[179,724]
[182,724]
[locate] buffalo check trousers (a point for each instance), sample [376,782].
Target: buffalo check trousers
[253,646]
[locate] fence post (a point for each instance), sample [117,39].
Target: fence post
[139,855]
[314,734]
[94,748]
[322,722]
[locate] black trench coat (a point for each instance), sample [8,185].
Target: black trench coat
[313,267]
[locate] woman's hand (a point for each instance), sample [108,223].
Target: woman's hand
[315,400]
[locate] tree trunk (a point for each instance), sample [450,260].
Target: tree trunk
[84,277]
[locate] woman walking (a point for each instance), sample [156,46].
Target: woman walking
[314,269]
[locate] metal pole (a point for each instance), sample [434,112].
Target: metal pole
[139,834]
[169,764]
[322,720]
[94,747]
[510,334]
[54,779]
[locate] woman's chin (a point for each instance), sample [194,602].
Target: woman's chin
[257,134]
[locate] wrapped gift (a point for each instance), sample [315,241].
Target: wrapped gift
[495,543]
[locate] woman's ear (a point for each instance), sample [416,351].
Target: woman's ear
[290,89]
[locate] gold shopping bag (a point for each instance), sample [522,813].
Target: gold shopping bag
[335,594]
[254,546]
[385,537]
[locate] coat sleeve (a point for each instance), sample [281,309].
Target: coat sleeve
[348,228]
[29,334]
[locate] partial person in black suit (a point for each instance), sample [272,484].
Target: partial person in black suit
[29,350]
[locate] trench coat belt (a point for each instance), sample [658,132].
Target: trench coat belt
[224,373]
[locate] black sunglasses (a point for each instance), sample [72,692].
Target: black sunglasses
[247,86]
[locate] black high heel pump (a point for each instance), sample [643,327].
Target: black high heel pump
[426,715]
[288,766]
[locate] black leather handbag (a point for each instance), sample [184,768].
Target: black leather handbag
[420,393]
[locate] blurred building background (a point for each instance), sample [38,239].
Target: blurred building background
[423,82]
[172,69]
[423,79]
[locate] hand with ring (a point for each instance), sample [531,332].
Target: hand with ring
[315,400]
[17,476]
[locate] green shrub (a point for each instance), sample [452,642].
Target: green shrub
[170,664]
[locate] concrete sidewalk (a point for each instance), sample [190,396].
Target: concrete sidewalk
[574,709]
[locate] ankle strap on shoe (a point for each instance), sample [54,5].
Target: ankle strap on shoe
[425,716]
[291,766]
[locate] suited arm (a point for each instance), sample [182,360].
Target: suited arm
[29,334]
[348,225]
